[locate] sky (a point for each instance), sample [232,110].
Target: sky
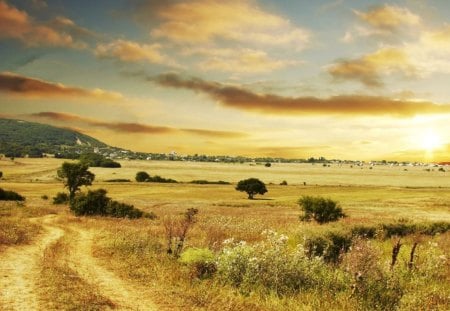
[342,79]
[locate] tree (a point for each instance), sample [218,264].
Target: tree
[320,209]
[268,164]
[142,176]
[252,186]
[75,175]
[1,175]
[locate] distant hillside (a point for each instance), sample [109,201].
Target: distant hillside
[20,138]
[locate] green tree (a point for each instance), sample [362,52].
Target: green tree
[142,176]
[320,209]
[75,175]
[252,186]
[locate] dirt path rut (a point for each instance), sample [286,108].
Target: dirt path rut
[125,296]
[20,267]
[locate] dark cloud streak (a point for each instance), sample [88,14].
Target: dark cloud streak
[240,98]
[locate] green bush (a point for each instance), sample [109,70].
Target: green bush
[6,195]
[44,197]
[201,261]
[160,179]
[97,160]
[320,209]
[283,183]
[61,198]
[206,182]
[400,228]
[95,202]
[122,210]
[330,246]
[142,176]
[368,232]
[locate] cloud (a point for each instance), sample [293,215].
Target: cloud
[384,22]
[129,128]
[18,85]
[240,98]
[129,51]
[389,17]
[246,61]
[18,25]
[369,69]
[201,21]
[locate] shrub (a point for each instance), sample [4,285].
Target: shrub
[271,266]
[283,183]
[206,182]
[61,198]
[368,232]
[95,202]
[97,160]
[373,287]
[160,179]
[435,228]
[441,169]
[6,195]
[122,210]
[330,246]
[176,230]
[1,174]
[201,261]
[320,209]
[142,176]
[399,228]
[252,186]
[44,197]
[268,164]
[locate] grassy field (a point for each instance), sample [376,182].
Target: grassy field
[379,198]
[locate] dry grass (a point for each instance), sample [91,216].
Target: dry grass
[135,249]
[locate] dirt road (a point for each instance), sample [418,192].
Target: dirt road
[20,268]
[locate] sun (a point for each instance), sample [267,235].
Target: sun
[430,140]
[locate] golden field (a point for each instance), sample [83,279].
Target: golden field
[132,252]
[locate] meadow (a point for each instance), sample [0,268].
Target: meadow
[283,263]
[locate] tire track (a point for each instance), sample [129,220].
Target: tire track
[20,267]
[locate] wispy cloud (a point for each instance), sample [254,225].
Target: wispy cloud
[370,69]
[200,21]
[240,98]
[389,17]
[18,85]
[384,21]
[136,128]
[129,51]
[246,61]
[18,25]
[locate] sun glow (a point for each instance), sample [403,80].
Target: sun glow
[430,140]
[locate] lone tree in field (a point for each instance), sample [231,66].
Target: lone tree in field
[252,186]
[320,209]
[75,175]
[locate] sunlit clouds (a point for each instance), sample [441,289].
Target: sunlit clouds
[339,79]
[28,87]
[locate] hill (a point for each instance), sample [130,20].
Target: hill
[20,138]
